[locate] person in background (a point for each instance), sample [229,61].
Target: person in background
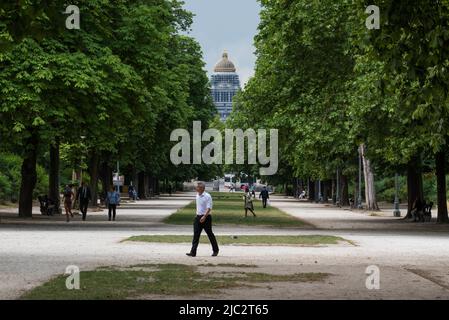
[265,195]
[131,192]
[417,209]
[68,201]
[249,203]
[84,196]
[112,201]
[203,220]
[169,188]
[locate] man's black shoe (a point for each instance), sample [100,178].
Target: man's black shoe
[215,254]
[191,254]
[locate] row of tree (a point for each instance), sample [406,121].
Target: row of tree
[111,91]
[337,90]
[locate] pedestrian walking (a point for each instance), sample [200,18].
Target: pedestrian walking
[83,196]
[249,203]
[203,220]
[131,193]
[264,195]
[112,201]
[68,201]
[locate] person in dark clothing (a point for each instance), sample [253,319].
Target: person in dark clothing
[112,201]
[131,193]
[265,195]
[417,209]
[83,196]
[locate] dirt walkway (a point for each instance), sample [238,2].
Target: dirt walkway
[413,264]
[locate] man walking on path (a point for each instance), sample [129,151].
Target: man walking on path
[203,220]
[112,201]
[84,196]
[265,195]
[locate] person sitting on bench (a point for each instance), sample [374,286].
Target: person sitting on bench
[417,210]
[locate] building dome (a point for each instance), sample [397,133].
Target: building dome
[225,65]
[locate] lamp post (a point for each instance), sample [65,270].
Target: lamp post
[82,157]
[118,176]
[308,188]
[320,197]
[397,211]
[359,198]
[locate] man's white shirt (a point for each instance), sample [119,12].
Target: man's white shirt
[203,202]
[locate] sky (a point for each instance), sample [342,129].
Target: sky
[226,25]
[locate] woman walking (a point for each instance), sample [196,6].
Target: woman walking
[112,200]
[248,203]
[68,200]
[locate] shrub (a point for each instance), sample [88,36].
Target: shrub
[10,165]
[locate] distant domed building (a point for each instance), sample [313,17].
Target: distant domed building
[225,84]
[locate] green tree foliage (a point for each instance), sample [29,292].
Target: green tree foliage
[329,85]
[402,71]
[112,90]
[301,86]
[10,178]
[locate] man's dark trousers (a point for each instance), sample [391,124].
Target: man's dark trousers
[264,202]
[84,197]
[198,228]
[84,203]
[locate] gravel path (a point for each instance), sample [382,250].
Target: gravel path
[413,263]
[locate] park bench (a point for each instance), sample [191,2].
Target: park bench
[425,215]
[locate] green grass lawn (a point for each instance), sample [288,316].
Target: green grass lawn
[307,240]
[113,283]
[229,210]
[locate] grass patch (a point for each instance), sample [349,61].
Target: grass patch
[7,205]
[228,265]
[113,283]
[229,210]
[306,240]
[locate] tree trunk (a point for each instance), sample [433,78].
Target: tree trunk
[150,186]
[28,179]
[311,191]
[135,179]
[53,177]
[334,191]
[344,201]
[356,191]
[94,163]
[156,186]
[295,187]
[414,184]
[370,189]
[141,185]
[147,187]
[325,191]
[106,178]
[440,162]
